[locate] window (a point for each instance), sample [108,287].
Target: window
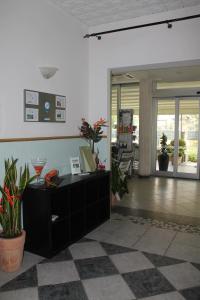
[114,113]
[177,85]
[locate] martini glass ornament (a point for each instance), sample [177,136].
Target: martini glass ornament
[38,164]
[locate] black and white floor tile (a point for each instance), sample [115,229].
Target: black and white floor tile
[117,261]
[157,219]
[93,270]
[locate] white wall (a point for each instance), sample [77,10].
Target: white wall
[33,34]
[139,48]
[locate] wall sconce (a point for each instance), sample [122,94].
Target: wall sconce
[48,72]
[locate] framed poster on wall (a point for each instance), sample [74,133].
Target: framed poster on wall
[44,107]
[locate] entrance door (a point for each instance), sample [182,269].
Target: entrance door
[178,119]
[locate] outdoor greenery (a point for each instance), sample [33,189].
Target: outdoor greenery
[192,156]
[188,130]
[163,144]
[181,148]
[192,153]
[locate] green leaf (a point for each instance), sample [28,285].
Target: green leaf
[10,219]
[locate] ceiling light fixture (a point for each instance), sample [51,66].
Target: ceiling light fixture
[48,72]
[130,76]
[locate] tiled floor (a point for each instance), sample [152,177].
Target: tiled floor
[164,195]
[124,259]
[118,261]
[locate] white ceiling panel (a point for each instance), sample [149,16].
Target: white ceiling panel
[96,12]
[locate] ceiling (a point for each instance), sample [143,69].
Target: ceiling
[96,12]
[174,74]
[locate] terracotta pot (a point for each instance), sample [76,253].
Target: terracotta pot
[178,162]
[11,253]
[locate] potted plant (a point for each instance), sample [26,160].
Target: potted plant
[163,157]
[12,237]
[118,182]
[93,134]
[181,150]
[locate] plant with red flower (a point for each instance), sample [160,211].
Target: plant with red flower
[93,134]
[10,203]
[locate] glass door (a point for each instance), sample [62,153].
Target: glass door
[177,137]
[188,137]
[165,126]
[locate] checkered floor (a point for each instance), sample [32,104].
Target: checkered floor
[94,270]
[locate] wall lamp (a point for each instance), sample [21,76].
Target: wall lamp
[48,72]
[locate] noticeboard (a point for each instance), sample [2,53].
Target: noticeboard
[44,107]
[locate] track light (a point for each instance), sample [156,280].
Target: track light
[169,25]
[168,22]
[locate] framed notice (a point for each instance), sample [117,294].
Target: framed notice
[60,115]
[75,165]
[60,102]
[32,98]
[44,107]
[31,114]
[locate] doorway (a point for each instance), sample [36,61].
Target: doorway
[178,119]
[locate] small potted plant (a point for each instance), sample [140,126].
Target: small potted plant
[93,134]
[163,157]
[12,237]
[181,150]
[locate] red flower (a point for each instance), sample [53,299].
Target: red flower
[9,198]
[1,209]
[99,123]
[92,133]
